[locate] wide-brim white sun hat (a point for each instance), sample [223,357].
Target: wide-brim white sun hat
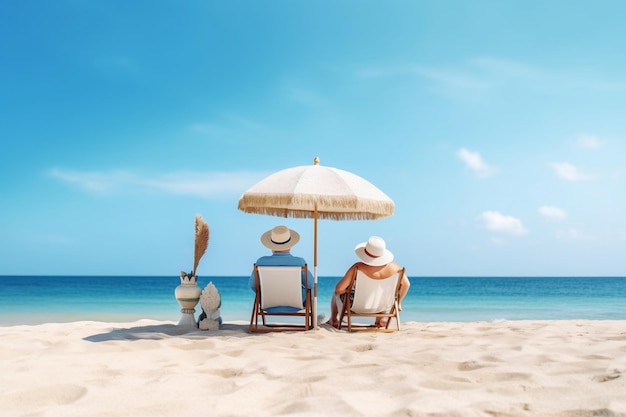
[280,238]
[374,252]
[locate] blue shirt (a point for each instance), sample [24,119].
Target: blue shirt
[281,259]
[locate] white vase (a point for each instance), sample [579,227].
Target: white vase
[187,294]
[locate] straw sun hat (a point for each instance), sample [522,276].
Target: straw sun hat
[373,252]
[280,238]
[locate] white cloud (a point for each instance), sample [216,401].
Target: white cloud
[197,184]
[475,162]
[481,73]
[571,234]
[570,172]
[203,184]
[552,212]
[500,223]
[485,73]
[451,78]
[502,68]
[588,142]
[93,182]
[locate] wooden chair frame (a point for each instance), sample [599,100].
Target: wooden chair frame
[347,314]
[259,312]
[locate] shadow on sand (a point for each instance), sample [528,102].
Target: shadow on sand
[165,331]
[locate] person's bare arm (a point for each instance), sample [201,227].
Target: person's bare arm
[404,289]
[344,282]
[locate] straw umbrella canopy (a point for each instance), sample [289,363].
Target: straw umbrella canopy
[316,192]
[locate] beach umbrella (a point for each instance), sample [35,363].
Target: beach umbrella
[316,192]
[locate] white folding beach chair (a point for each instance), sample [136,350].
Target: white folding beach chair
[279,292]
[376,298]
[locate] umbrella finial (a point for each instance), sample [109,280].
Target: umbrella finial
[316,161]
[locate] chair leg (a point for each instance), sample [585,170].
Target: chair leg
[397,313]
[254,319]
[308,311]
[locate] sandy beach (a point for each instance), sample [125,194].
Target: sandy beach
[151,368]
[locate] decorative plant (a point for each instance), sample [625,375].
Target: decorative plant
[201,244]
[202,241]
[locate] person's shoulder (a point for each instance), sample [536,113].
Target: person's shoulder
[263,259]
[300,258]
[397,268]
[360,266]
[395,265]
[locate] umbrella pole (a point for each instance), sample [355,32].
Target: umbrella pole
[315,324]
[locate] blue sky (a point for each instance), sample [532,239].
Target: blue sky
[497,127]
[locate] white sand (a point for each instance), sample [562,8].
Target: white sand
[147,368]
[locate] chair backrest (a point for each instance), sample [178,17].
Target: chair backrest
[280,286]
[375,295]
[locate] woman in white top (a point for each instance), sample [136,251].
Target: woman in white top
[376,261]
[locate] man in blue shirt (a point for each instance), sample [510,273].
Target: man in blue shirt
[280,240]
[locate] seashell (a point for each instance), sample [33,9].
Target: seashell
[208,324]
[210,300]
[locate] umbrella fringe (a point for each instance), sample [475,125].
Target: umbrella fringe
[334,208]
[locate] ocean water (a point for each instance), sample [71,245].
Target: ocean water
[42,299]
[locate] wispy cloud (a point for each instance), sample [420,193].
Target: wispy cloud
[496,68]
[231,126]
[475,162]
[588,142]
[307,97]
[196,184]
[474,74]
[453,78]
[499,71]
[571,234]
[493,72]
[93,182]
[552,213]
[570,172]
[501,223]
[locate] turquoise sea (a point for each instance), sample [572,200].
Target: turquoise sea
[42,299]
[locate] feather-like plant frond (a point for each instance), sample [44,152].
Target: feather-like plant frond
[202,241]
